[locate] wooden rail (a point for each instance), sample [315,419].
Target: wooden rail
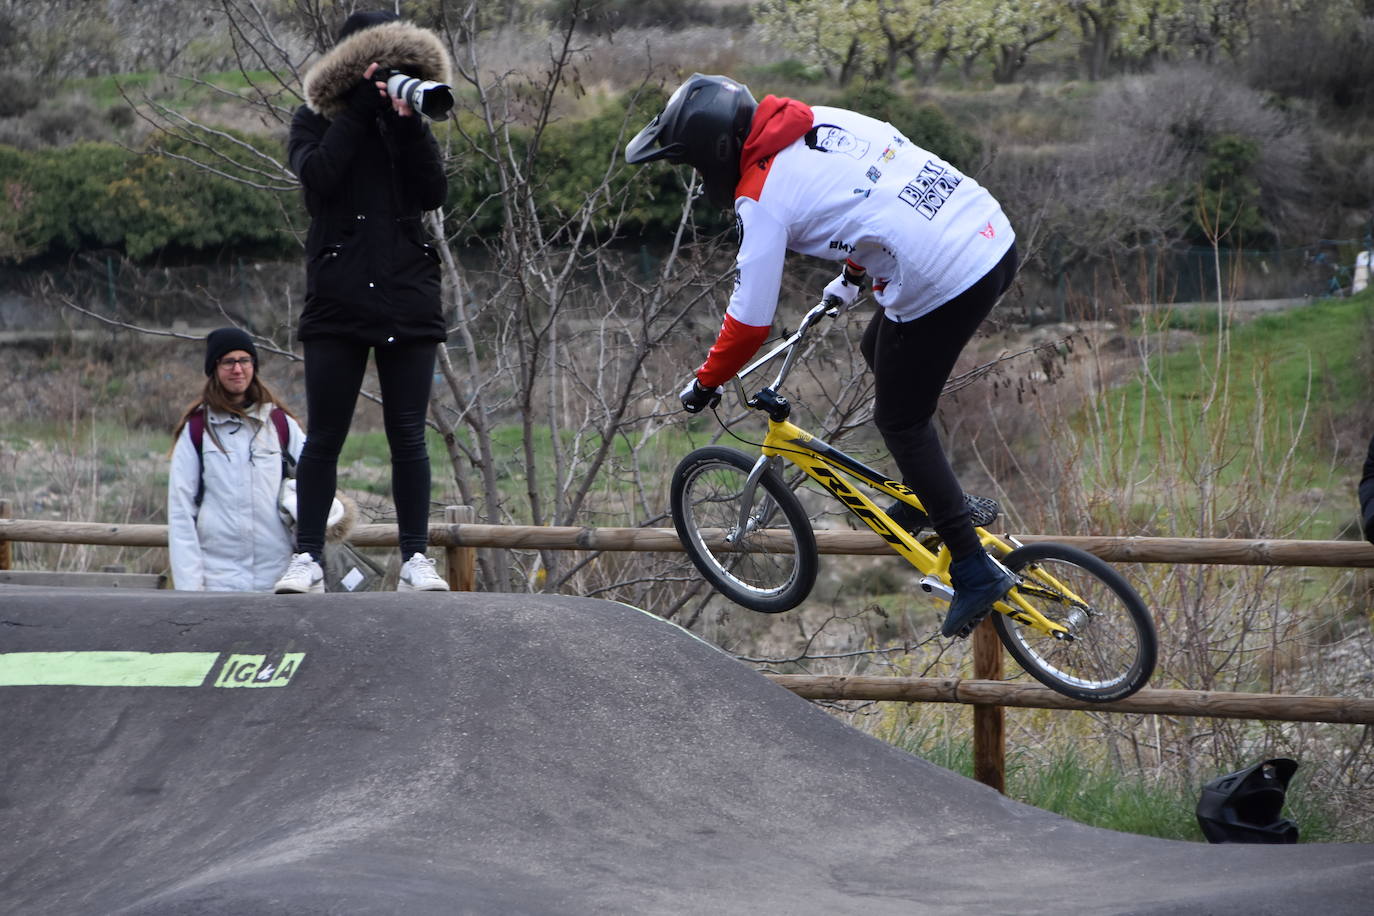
[981,693]
[1182,551]
[989,695]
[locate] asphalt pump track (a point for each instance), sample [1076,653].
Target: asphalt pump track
[185,753]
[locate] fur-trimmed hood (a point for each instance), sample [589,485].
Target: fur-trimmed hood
[394,45]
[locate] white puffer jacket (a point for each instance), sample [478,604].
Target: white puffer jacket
[235,539]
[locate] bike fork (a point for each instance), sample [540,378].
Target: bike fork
[746,521]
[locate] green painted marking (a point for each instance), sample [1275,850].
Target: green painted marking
[105,669]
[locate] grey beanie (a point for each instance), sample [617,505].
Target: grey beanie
[227,340]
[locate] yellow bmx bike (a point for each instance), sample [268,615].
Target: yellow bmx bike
[1072,621]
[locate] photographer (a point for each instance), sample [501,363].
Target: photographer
[369,167]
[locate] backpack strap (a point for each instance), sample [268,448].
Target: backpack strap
[288,463]
[196,423]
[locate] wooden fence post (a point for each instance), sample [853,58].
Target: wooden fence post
[6,558]
[989,722]
[460,562]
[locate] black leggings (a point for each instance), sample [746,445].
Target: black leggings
[911,361]
[334,370]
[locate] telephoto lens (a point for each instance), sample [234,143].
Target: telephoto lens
[431,99]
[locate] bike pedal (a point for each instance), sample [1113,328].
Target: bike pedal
[983,511]
[972,625]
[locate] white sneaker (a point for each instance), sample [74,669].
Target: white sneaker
[418,575]
[303,574]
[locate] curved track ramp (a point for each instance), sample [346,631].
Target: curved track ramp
[170,753]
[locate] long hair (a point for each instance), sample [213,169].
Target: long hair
[214,397]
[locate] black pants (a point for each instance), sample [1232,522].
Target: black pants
[911,361]
[334,370]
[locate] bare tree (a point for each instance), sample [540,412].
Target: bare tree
[556,402]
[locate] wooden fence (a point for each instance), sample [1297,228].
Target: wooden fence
[986,692]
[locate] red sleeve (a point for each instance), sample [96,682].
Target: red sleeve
[734,345]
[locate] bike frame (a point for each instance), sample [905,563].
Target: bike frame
[828,466]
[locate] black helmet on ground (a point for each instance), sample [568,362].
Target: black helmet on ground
[703,125]
[1244,806]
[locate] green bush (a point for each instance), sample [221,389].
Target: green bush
[656,14]
[1228,201]
[15,202]
[97,195]
[789,70]
[59,198]
[474,192]
[571,164]
[573,160]
[924,124]
[164,203]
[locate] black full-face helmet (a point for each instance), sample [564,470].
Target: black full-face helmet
[703,125]
[1245,806]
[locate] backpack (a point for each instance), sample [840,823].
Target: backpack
[197,424]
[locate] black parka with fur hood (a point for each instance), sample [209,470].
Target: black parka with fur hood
[371,274]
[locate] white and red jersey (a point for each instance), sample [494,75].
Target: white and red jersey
[851,186]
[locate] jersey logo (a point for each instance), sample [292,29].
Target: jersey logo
[831,138]
[988,232]
[928,191]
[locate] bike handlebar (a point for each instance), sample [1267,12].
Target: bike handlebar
[829,307]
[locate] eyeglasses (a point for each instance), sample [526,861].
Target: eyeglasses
[230,362]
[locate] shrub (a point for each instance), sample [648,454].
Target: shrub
[658,14]
[96,195]
[924,124]
[1317,52]
[1228,198]
[22,93]
[571,164]
[59,198]
[1208,129]
[163,203]
[786,71]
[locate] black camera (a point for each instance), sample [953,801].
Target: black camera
[431,99]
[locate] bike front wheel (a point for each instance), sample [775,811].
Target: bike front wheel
[761,555]
[1112,647]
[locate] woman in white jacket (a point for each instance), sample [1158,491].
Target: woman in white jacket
[224,529]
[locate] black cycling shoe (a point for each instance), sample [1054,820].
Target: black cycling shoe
[979,581]
[983,511]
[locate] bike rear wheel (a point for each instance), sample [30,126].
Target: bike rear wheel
[1113,650]
[769,563]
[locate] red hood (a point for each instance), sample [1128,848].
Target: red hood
[777,123]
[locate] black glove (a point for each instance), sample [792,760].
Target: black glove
[409,128]
[695,398]
[365,98]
